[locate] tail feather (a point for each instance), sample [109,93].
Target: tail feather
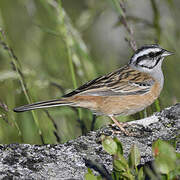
[43,104]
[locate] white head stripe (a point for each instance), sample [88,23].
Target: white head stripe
[146,51]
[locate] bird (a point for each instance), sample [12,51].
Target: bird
[125,91]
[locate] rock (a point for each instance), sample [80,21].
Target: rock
[67,161]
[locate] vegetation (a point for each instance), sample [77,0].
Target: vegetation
[165,166]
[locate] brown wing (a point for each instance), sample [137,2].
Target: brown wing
[124,81]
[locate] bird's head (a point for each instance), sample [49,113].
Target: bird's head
[149,58]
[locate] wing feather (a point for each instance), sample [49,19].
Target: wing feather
[124,81]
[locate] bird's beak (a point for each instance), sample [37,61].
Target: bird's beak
[167,53]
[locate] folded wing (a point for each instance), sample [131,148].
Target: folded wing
[124,81]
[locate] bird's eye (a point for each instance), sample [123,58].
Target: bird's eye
[151,54]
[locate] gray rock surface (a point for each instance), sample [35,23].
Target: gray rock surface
[66,161]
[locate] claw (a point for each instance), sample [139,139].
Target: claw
[120,126]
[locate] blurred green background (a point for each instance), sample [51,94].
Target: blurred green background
[62,44]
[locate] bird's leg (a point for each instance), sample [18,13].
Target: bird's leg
[120,125]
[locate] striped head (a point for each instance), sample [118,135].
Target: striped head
[148,58]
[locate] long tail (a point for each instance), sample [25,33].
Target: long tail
[43,104]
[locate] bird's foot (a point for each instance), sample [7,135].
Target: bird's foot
[123,124]
[121,127]
[117,130]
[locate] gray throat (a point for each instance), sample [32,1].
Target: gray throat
[158,74]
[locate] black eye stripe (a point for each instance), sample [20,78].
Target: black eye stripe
[155,54]
[151,67]
[149,55]
[140,58]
